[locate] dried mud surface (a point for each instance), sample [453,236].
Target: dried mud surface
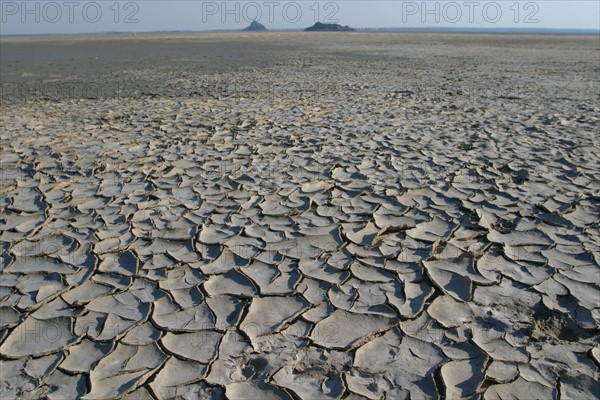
[300,216]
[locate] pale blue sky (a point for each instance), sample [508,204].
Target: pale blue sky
[82,16]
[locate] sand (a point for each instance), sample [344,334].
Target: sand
[300,215]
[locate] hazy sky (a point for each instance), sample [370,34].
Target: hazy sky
[74,16]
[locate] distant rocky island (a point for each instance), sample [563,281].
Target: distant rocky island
[321,27]
[255,26]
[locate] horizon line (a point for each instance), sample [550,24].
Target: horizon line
[524,30]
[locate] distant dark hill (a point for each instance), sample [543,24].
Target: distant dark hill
[255,26]
[320,27]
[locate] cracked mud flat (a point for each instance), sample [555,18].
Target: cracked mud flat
[311,225]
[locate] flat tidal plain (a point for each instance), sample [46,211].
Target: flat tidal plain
[300,216]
